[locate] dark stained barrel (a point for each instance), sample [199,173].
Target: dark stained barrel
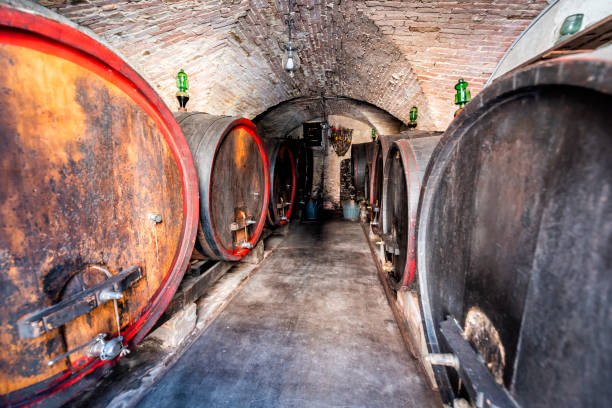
[98,207]
[361,156]
[515,236]
[232,166]
[379,156]
[304,172]
[282,181]
[404,169]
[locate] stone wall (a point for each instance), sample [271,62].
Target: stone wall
[347,189]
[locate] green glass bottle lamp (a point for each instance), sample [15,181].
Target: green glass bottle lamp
[463,95]
[373,134]
[414,113]
[182,83]
[571,25]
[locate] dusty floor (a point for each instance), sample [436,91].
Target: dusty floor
[312,328]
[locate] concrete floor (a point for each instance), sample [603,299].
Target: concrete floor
[312,328]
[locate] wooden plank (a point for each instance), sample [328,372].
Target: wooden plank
[195,285]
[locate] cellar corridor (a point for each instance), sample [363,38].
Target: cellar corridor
[311,328]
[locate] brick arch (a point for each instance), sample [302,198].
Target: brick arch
[282,119]
[392,54]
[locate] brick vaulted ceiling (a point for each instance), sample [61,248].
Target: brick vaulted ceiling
[391,54]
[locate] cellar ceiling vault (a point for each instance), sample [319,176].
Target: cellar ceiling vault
[390,54]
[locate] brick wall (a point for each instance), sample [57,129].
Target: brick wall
[450,39]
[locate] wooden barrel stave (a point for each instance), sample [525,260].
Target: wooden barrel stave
[518,236]
[404,169]
[282,181]
[233,172]
[88,147]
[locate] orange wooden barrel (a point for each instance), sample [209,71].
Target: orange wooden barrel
[98,207]
[233,170]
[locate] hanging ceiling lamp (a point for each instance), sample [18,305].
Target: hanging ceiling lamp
[291,59]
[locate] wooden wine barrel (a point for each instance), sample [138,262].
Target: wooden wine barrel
[361,156]
[404,169]
[379,156]
[304,171]
[98,207]
[514,239]
[282,181]
[232,166]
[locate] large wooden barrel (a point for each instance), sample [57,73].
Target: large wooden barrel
[98,206]
[304,171]
[282,181]
[361,156]
[404,169]
[232,166]
[514,240]
[379,156]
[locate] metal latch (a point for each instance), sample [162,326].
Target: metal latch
[281,206]
[45,320]
[243,224]
[97,347]
[480,384]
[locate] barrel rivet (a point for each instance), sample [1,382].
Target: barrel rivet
[156,218]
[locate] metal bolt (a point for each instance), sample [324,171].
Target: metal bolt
[448,359]
[111,348]
[108,294]
[156,218]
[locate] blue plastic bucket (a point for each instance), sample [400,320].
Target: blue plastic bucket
[351,210]
[312,210]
